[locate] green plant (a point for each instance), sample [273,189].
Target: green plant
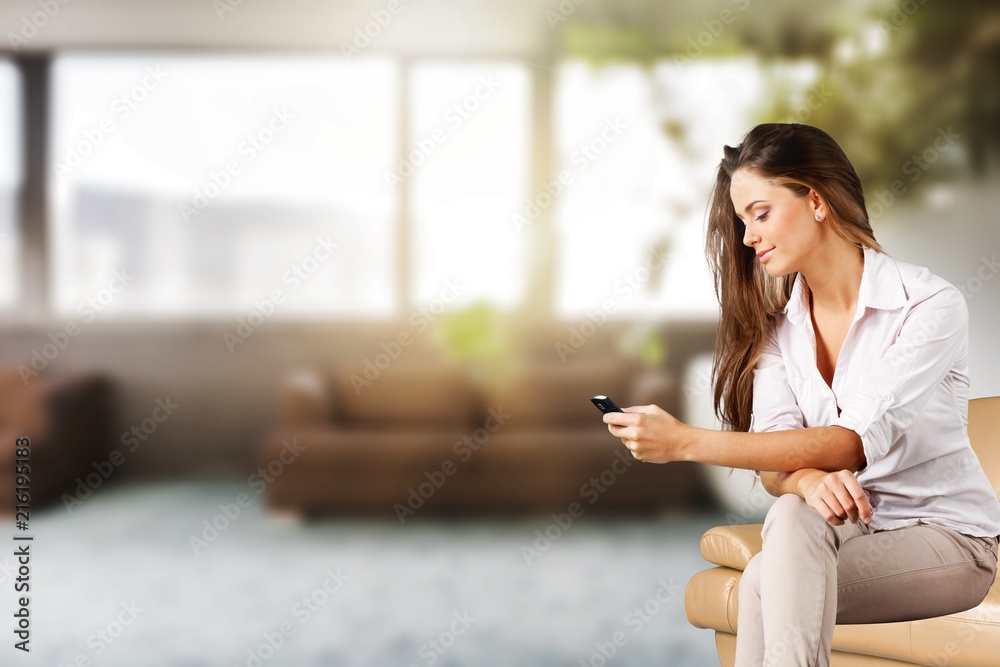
[479,336]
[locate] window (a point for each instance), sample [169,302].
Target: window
[640,148]
[10,184]
[468,161]
[188,185]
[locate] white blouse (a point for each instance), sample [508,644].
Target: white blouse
[901,383]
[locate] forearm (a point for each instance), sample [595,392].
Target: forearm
[780,483]
[827,448]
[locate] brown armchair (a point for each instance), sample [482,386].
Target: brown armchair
[69,421]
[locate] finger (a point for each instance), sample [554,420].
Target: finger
[830,512]
[861,500]
[862,506]
[619,431]
[848,508]
[827,504]
[824,501]
[651,409]
[619,418]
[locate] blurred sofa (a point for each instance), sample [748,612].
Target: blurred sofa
[430,439]
[68,420]
[966,639]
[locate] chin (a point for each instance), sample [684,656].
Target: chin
[775,270]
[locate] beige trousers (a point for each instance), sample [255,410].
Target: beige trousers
[812,575]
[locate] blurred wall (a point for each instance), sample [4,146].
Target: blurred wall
[926,233]
[454,27]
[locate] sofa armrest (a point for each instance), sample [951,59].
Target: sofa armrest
[304,400]
[732,546]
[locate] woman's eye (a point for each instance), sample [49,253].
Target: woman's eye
[763,216]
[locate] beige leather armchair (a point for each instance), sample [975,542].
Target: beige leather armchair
[967,639]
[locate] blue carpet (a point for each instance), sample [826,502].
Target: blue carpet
[117,582]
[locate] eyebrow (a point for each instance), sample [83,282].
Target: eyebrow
[750,205]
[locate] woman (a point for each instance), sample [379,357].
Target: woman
[849,369]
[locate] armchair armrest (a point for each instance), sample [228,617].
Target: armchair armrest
[70,421]
[304,400]
[732,546]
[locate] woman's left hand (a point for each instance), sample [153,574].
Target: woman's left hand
[651,434]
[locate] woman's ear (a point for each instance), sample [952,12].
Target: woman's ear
[818,206]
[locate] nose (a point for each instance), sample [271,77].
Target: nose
[749,237]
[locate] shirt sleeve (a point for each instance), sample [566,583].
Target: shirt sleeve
[774,405]
[896,387]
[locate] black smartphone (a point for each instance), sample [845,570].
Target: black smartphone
[605,404]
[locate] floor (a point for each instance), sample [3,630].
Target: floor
[139,576]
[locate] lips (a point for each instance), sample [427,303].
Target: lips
[764,255]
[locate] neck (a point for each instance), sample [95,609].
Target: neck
[833,275]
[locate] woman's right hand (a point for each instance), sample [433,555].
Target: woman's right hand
[836,496]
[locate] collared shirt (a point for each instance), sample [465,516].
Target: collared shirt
[901,383]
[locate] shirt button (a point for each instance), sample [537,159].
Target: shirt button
[791,382]
[886,397]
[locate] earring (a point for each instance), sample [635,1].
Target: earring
[819,218]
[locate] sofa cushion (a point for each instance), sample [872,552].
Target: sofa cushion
[967,639]
[553,396]
[405,396]
[536,470]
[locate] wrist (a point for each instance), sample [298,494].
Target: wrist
[804,479]
[688,443]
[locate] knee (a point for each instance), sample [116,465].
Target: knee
[750,579]
[789,510]
[787,505]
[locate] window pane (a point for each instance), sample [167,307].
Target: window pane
[642,147]
[208,183]
[10,182]
[468,160]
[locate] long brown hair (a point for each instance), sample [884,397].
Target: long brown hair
[798,157]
